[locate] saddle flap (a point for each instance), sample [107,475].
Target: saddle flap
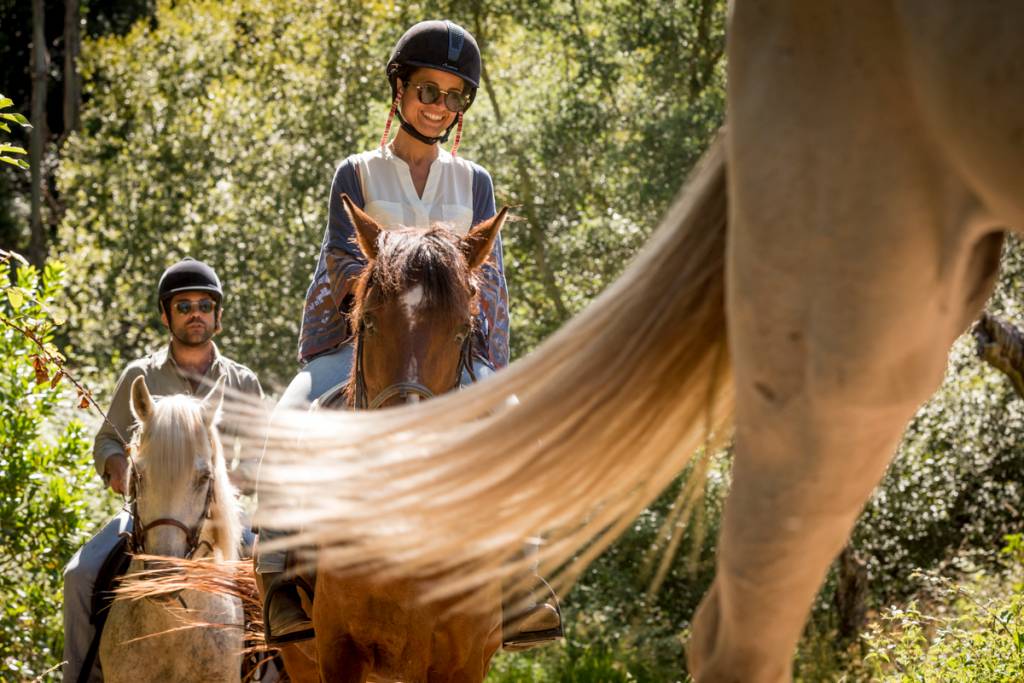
[113,568]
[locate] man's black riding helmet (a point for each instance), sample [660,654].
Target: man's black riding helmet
[442,45]
[189,275]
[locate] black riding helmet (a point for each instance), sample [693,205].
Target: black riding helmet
[442,45]
[188,275]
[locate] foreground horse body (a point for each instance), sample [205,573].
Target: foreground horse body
[855,133]
[413,315]
[184,507]
[874,156]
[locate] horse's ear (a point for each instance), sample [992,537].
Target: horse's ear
[367,229]
[477,245]
[142,402]
[213,401]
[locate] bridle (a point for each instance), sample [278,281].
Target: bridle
[403,389]
[192,534]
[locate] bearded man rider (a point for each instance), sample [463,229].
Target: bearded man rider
[191,298]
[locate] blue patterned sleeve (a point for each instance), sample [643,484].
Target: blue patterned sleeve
[493,321]
[323,322]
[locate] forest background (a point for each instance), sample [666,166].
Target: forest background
[212,129]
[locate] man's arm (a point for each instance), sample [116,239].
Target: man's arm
[108,452]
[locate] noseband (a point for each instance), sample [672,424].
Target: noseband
[192,534]
[403,389]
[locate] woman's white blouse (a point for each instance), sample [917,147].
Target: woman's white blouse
[391,199]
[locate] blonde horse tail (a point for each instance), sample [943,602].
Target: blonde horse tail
[611,408]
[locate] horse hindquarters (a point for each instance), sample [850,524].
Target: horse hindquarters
[131,652]
[855,260]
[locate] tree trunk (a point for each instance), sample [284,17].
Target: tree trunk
[40,66]
[72,80]
[851,594]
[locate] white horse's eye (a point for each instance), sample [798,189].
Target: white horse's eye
[203,478]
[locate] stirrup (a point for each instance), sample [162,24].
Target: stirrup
[525,640]
[275,587]
[517,641]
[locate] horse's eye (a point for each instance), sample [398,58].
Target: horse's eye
[369,324]
[203,479]
[460,336]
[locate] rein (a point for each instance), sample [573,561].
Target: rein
[192,534]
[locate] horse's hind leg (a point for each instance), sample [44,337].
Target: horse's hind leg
[855,259]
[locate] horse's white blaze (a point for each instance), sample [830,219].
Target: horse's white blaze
[412,370]
[412,300]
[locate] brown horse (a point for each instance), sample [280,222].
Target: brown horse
[413,315]
[874,156]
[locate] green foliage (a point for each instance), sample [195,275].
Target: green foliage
[587,656]
[47,486]
[6,149]
[599,125]
[972,632]
[212,131]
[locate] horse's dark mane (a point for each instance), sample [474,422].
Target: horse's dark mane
[429,258]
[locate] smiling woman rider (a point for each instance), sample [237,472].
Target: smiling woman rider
[434,72]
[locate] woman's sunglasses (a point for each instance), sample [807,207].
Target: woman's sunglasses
[454,100]
[186,307]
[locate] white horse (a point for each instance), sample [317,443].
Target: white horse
[184,507]
[875,153]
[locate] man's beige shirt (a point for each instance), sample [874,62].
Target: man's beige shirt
[163,377]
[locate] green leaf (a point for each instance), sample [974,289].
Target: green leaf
[21,163]
[16,297]
[14,255]
[12,148]
[4,127]
[5,102]
[17,118]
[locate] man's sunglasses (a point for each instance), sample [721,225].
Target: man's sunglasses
[454,100]
[186,307]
